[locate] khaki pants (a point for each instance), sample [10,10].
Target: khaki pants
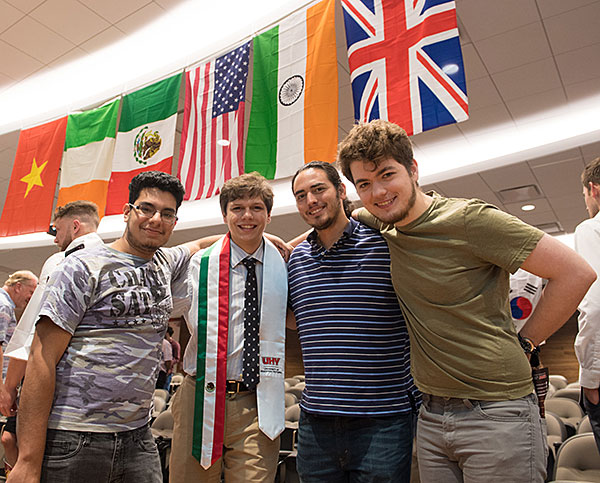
[248,454]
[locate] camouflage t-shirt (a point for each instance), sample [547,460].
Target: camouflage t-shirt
[117,308]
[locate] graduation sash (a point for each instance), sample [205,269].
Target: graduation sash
[209,273]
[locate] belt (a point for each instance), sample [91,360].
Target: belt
[233,387]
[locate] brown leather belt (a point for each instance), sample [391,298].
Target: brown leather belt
[233,387]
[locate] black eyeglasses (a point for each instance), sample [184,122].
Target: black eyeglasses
[51,230]
[148,211]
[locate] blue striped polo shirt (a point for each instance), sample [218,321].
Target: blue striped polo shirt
[353,336]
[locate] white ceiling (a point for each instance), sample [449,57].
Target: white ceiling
[525,61]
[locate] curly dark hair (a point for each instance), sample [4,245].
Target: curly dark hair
[374,142]
[159,180]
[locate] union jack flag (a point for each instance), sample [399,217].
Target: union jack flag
[405,62]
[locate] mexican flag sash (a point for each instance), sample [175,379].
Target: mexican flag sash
[209,284]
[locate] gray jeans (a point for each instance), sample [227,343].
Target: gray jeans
[128,457]
[464,440]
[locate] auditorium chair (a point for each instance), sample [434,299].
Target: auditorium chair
[578,459]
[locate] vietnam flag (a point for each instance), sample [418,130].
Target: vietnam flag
[146,137]
[28,205]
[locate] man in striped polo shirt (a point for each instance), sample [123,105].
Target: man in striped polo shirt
[359,402]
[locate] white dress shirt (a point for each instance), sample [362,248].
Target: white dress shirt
[587,342]
[235,333]
[20,343]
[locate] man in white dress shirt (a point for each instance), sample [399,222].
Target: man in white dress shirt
[587,342]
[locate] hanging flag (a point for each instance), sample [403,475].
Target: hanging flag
[294,112]
[405,62]
[213,123]
[87,160]
[28,205]
[145,139]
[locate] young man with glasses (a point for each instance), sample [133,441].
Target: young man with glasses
[85,404]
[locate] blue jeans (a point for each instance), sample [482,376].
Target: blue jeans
[464,440]
[128,457]
[335,449]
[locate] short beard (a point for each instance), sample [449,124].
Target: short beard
[404,212]
[141,247]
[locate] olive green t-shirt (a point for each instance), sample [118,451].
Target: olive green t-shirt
[450,269]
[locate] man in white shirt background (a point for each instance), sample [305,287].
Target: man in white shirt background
[587,342]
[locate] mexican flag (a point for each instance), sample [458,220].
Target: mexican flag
[145,139]
[87,160]
[294,113]
[28,205]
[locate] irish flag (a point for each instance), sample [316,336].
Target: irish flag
[294,113]
[145,139]
[87,160]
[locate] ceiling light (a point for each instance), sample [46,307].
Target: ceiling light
[450,69]
[223,142]
[528,207]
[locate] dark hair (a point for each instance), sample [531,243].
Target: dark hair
[158,180]
[591,173]
[332,175]
[170,330]
[374,142]
[248,185]
[84,210]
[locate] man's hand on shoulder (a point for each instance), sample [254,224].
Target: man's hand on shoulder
[285,249]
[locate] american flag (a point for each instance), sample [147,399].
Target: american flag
[405,62]
[211,150]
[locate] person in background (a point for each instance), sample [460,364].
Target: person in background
[450,265]
[165,366]
[587,342]
[15,294]
[359,404]
[176,349]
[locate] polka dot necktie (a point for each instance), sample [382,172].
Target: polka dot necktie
[250,374]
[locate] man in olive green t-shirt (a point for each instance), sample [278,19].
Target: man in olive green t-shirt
[451,260]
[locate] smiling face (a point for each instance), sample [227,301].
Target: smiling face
[318,201]
[247,219]
[388,190]
[146,235]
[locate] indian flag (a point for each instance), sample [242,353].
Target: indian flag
[87,158]
[294,113]
[145,139]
